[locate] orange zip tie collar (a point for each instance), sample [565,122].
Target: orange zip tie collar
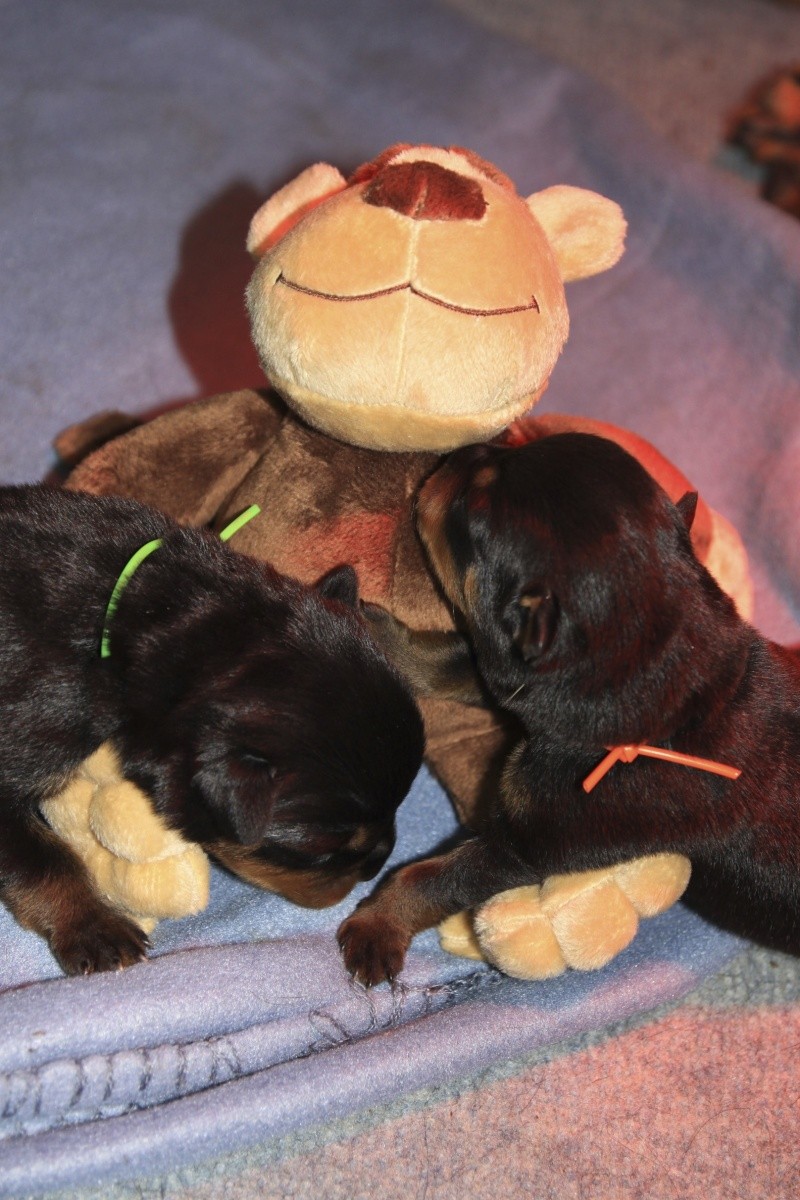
[628,753]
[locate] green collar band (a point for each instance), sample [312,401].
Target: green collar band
[138,558]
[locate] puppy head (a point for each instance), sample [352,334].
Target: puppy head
[304,741]
[571,568]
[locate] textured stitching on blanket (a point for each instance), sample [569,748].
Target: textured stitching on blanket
[70,1091]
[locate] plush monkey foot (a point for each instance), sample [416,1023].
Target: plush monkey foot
[580,921]
[135,861]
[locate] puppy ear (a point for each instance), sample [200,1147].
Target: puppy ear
[687,507]
[539,612]
[239,792]
[340,584]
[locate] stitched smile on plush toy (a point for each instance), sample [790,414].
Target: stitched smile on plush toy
[533,306]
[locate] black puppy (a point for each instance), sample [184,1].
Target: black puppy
[592,622]
[257,713]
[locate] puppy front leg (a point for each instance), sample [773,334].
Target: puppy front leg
[48,890]
[375,938]
[435,663]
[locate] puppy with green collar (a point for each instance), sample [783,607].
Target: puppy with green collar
[257,713]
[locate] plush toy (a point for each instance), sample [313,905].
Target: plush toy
[137,862]
[413,308]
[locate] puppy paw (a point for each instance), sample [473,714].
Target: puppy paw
[104,941]
[373,948]
[390,634]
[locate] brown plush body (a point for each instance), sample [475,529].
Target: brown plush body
[324,503]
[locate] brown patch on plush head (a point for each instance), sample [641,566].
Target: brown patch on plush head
[369,170]
[426,191]
[400,151]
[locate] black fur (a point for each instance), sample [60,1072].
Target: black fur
[593,623]
[258,713]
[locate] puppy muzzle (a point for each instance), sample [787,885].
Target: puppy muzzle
[438,497]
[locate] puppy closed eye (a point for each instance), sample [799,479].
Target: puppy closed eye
[312,844]
[316,843]
[258,762]
[298,847]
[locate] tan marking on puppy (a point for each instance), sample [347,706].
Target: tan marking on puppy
[485,477]
[58,899]
[470,587]
[45,908]
[433,504]
[360,839]
[403,899]
[66,911]
[309,889]
[374,939]
[514,792]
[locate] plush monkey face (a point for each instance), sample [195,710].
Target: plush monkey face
[419,305]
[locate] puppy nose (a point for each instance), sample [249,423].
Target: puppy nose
[425,191]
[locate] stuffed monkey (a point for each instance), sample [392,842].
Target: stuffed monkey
[415,307]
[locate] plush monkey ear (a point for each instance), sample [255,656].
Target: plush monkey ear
[539,612]
[340,584]
[586,231]
[687,507]
[285,208]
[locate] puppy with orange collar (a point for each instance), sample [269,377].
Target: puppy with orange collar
[651,717]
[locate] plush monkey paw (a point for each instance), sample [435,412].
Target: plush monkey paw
[136,862]
[580,921]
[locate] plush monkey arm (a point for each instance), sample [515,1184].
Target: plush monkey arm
[580,921]
[186,462]
[436,662]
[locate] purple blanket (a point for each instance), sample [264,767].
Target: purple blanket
[137,141]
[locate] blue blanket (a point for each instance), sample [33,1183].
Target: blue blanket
[137,141]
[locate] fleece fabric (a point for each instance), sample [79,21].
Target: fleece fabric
[138,140]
